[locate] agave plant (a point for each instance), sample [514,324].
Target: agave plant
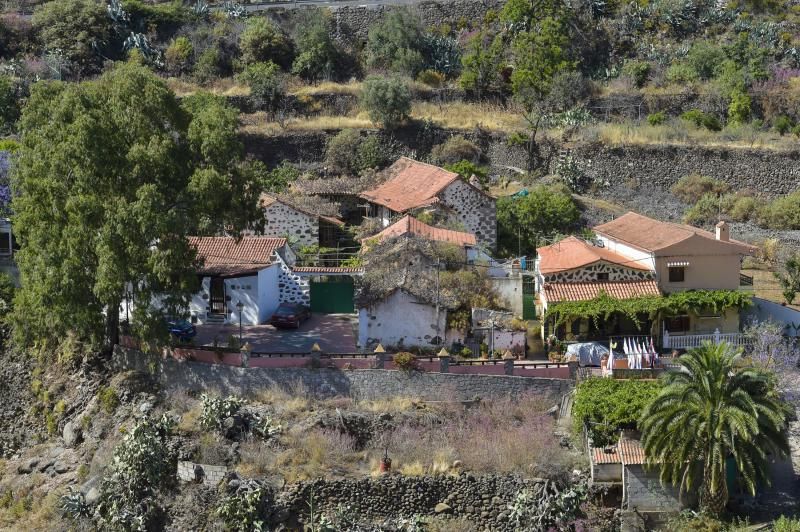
[142,43]
[234,10]
[200,8]
[117,13]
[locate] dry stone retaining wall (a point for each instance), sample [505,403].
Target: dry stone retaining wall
[209,475]
[366,384]
[283,221]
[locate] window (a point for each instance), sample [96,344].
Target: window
[677,324]
[602,276]
[5,243]
[677,274]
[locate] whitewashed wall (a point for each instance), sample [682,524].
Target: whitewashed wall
[268,293]
[763,310]
[244,290]
[399,319]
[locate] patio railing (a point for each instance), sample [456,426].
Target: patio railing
[689,341]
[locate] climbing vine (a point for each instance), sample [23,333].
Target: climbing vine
[603,306]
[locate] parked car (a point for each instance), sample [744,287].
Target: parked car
[181,329]
[290,315]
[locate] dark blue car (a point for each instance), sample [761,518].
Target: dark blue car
[181,329]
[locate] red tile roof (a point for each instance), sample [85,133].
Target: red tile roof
[631,451]
[572,253]
[412,184]
[225,257]
[653,235]
[607,455]
[408,225]
[555,292]
[265,200]
[326,269]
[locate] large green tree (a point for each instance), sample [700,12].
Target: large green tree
[396,42]
[111,177]
[712,409]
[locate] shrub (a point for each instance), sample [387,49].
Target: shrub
[455,149]
[657,118]
[704,57]
[216,410]
[178,56]
[609,405]
[568,90]
[317,55]
[743,208]
[467,169]
[387,100]
[738,109]
[245,509]
[637,71]
[396,41]
[782,213]
[279,178]
[692,187]
[9,104]
[796,130]
[209,65]
[705,211]
[681,73]
[263,42]
[340,153]
[371,153]
[266,82]
[701,119]
[406,361]
[786,524]
[109,400]
[431,78]
[783,124]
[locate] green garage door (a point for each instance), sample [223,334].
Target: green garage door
[528,298]
[333,295]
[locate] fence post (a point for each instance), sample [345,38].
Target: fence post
[508,362]
[316,355]
[573,369]
[245,354]
[716,336]
[444,361]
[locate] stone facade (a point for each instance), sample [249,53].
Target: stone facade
[473,208]
[366,384]
[292,288]
[589,274]
[300,228]
[643,491]
[209,475]
[481,500]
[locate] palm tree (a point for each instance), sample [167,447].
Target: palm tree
[713,408]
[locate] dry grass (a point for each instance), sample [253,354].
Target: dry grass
[393,405]
[256,459]
[466,116]
[260,124]
[353,88]
[317,453]
[677,132]
[221,87]
[289,403]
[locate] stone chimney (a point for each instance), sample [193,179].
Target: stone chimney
[723,231]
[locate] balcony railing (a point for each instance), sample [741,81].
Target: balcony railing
[745,280]
[689,341]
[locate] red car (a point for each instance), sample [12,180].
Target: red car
[290,315]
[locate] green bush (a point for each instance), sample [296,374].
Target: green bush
[783,124]
[266,82]
[681,73]
[178,56]
[701,119]
[704,212]
[279,178]
[782,213]
[109,400]
[704,57]
[467,169]
[387,100]
[786,524]
[691,188]
[796,130]
[610,405]
[637,71]
[455,149]
[371,153]
[406,361]
[210,65]
[743,208]
[738,109]
[395,42]
[263,42]
[340,153]
[215,410]
[657,118]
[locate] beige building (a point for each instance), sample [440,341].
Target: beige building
[635,256]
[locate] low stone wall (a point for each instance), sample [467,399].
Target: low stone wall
[209,475]
[331,382]
[483,500]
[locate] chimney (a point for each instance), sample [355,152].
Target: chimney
[723,232]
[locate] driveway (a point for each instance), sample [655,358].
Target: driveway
[335,333]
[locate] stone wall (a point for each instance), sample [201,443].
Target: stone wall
[644,491]
[209,475]
[474,209]
[589,274]
[364,384]
[283,221]
[771,173]
[482,500]
[293,288]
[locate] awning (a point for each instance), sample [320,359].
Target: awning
[677,263]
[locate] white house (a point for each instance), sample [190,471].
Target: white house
[254,272]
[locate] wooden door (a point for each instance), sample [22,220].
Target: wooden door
[217,295]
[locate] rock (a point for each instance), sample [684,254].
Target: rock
[457,464]
[61,468]
[92,496]
[145,407]
[27,466]
[47,463]
[55,452]
[442,508]
[72,434]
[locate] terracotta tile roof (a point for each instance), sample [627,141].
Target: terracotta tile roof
[223,256]
[555,292]
[572,252]
[411,184]
[653,235]
[326,269]
[607,455]
[408,225]
[631,451]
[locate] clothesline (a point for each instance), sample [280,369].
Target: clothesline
[639,350]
